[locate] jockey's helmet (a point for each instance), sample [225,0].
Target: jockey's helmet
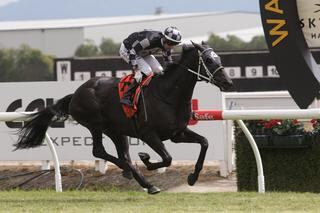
[172,36]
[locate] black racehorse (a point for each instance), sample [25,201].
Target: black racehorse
[167,101]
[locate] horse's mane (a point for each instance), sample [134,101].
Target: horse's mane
[186,49]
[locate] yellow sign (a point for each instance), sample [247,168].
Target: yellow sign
[273,6]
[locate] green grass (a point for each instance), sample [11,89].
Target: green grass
[139,202]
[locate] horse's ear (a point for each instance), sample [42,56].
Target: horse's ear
[204,43]
[199,47]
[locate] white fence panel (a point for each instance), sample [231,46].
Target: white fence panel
[73,142]
[252,101]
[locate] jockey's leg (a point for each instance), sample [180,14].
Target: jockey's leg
[144,66]
[154,64]
[146,70]
[188,136]
[154,142]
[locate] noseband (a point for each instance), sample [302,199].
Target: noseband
[209,77]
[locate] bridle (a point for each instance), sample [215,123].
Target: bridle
[210,76]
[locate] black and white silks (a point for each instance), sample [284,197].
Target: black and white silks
[144,43]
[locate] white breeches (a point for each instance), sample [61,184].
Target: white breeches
[146,64]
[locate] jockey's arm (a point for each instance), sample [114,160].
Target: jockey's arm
[136,47]
[132,57]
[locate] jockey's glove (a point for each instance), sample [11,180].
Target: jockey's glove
[135,67]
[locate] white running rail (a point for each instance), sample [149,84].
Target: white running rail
[239,115]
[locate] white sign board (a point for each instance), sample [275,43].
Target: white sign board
[272,72]
[251,101]
[259,100]
[64,70]
[233,72]
[73,142]
[82,76]
[254,72]
[106,73]
[309,14]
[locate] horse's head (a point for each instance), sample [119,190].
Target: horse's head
[211,69]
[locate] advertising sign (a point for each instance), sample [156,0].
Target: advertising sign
[293,59]
[309,14]
[74,142]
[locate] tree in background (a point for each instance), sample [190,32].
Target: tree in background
[6,64]
[231,43]
[25,64]
[87,49]
[108,47]
[258,43]
[235,43]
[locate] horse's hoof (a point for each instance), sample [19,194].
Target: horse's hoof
[153,190]
[192,179]
[127,174]
[144,156]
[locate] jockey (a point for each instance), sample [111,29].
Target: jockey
[137,51]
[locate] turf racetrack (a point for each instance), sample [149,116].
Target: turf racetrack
[139,202]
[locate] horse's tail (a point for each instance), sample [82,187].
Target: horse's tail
[34,131]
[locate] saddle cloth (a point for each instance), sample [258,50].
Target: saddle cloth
[123,86]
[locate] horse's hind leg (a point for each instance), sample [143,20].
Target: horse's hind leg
[99,152]
[153,140]
[85,109]
[122,146]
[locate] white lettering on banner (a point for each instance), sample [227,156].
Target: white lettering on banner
[73,142]
[63,70]
[272,72]
[254,72]
[107,73]
[203,116]
[233,72]
[82,76]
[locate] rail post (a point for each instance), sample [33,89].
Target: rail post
[23,116]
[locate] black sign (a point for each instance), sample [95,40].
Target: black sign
[292,57]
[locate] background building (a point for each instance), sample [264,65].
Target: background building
[61,37]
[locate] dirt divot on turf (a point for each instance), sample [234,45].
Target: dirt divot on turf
[174,179]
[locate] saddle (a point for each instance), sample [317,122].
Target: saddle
[123,86]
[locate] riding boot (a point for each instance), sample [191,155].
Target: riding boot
[126,99]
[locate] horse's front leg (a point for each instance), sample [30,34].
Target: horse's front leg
[188,136]
[154,142]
